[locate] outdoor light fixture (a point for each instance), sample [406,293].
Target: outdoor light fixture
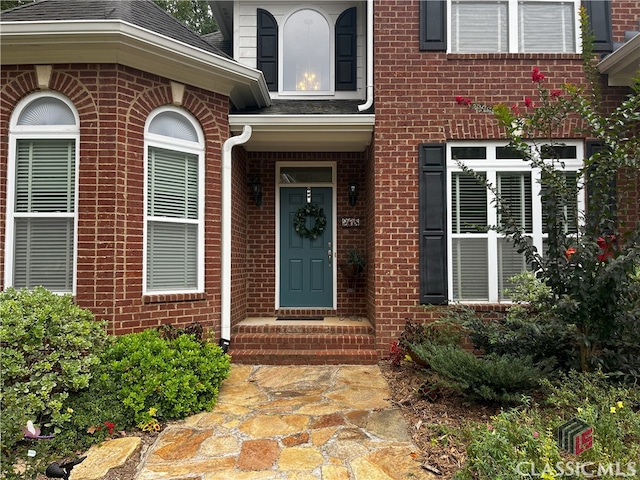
[256,191]
[353,193]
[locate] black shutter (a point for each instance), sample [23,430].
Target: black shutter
[346,60]
[599,12]
[268,48]
[433,25]
[433,221]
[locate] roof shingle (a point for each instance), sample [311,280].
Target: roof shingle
[141,13]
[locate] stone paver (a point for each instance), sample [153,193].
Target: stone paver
[290,423]
[101,458]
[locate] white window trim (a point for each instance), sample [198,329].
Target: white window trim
[21,132]
[195,148]
[513,31]
[491,166]
[332,57]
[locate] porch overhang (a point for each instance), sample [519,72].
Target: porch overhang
[118,42]
[623,64]
[306,133]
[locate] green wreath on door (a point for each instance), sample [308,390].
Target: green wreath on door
[300,221]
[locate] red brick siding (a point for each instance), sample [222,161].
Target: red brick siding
[113,103]
[414,98]
[261,231]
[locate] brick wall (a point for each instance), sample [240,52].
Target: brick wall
[414,99]
[113,103]
[261,231]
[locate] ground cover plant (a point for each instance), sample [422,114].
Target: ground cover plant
[77,386]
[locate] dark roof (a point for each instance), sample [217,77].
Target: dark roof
[306,107]
[142,13]
[218,41]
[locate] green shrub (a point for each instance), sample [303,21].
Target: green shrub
[165,379]
[613,410]
[494,378]
[48,348]
[513,443]
[521,442]
[530,328]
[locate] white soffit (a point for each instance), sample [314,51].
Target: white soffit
[306,133]
[623,64]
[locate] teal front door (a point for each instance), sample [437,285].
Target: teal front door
[306,267]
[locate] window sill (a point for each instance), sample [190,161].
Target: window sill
[174,297]
[513,56]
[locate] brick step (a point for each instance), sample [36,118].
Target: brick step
[303,344]
[304,357]
[299,341]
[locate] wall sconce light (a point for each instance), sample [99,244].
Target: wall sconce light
[353,193]
[256,191]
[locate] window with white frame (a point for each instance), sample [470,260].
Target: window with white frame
[511,26]
[306,53]
[481,261]
[174,243]
[41,196]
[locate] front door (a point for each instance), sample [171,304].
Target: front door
[306,264]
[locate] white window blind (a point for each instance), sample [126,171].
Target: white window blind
[479,27]
[172,220]
[44,214]
[546,27]
[502,26]
[470,254]
[481,260]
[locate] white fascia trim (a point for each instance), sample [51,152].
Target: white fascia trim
[166,52]
[622,64]
[304,122]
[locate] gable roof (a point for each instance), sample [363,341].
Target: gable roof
[136,33]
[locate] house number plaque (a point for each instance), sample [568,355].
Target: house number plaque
[349,222]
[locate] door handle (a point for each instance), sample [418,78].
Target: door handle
[329,254]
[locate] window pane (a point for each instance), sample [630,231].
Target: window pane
[172,256]
[506,153]
[306,52]
[470,267]
[565,204]
[173,184]
[306,175]
[469,204]
[44,253]
[515,191]
[546,27]
[45,176]
[47,111]
[510,263]
[469,153]
[174,125]
[479,27]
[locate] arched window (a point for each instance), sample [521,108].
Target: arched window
[42,194]
[174,243]
[306,53]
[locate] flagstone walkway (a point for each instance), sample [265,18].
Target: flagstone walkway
[291,423]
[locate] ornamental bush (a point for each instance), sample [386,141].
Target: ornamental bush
[164,379]
[48,349]
[494,378]
[529,328]
[591,258]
